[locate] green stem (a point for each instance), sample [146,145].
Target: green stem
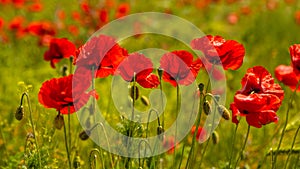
[292,146]
[285,124]
[93,151]
[67,147]
[243,148]
[176,125]
[182,154]
[71,63]
[69,128]
[232,145]
[32,125]
[196,131]
[203,153]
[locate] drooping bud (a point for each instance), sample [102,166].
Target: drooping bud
[224,112]
[160,130]
[134,92]
[84,135]
[201,87]
[215,137]
[19,113]
[145,100]
[58,121]
[206,107]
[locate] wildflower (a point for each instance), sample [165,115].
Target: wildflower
[59,49]
[217,50]
[259,98]
[295,57]
[287,76]
[102,54]
[57,93]
[201,133]
[139,66]
[179,67]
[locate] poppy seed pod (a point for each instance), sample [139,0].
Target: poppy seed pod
[206,107]
[224,112]
[215,137]
[19,113]
[58,121]
[134,92]
[145,100]
[84,135]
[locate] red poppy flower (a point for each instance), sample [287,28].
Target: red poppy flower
[59,49]
[169,144]
[36,7]
[179,67]
[16,23]
[287,76]
[103,16]
[122,10]
[259,98]
[201,134]
[57,93]
[1,23]
[41,28]
[295,56]
[217,50]
[101,53]
[140,66]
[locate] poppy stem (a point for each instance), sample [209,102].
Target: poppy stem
[71,62]
[196,130]
[176,125]
[232,144]
[66,145]
[291,149]
[69,128]
[243,148]
[285,123]
[32,125]
[91,160]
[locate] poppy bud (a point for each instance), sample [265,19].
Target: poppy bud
[160,130]
[134,92]
[58,122]
[19,113]
[160,72]
[76,162]
[201,87]
[206,107]
[224,112]
[65,70]
[145,100]
[215,137]
[84,135]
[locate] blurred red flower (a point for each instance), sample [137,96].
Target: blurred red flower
[16,23]
[122,10]
[140,66]
[101,53]
[259,98]
[287,76]
[36,7]
[41,28]
[59,49]
[169,144]
[201,134]
[295,57]
[103,16]
[217,50]
[179,67]
[1,23]
[57,93]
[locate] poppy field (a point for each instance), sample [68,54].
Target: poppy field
[115,84]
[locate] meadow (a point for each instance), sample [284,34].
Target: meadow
[51,81]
